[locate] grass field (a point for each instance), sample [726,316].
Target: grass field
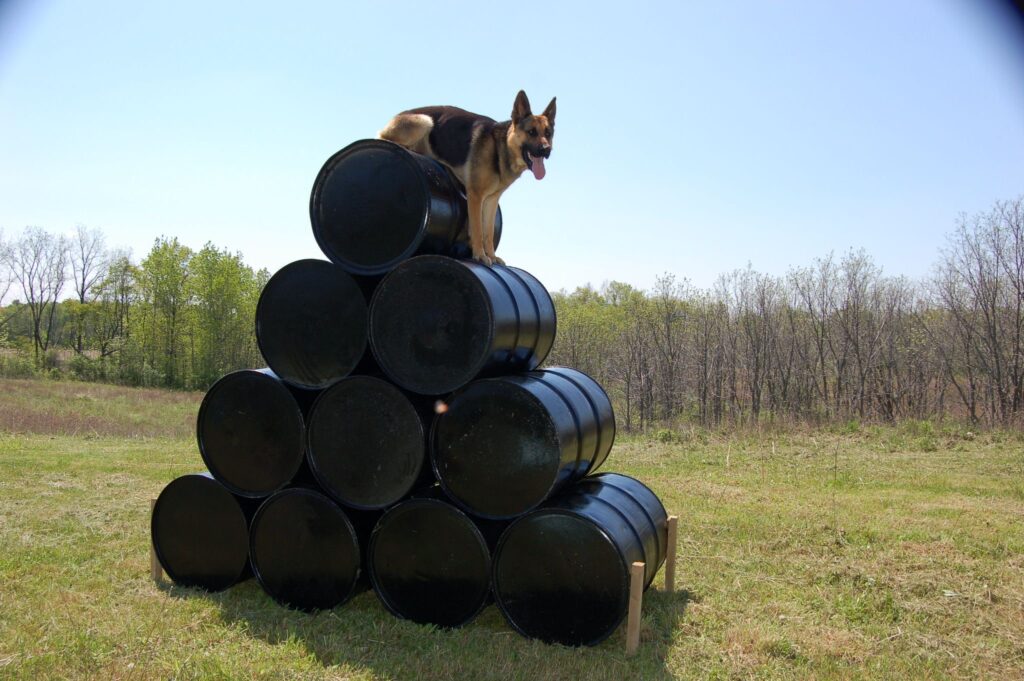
[872,552]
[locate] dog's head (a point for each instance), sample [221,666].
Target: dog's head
[531,135]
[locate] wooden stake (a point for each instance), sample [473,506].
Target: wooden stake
[156,571]
[670,559]
[636,595]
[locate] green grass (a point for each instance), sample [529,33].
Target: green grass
[868,552]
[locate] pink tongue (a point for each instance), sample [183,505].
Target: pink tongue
[538,166]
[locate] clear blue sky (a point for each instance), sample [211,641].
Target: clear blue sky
[692,138]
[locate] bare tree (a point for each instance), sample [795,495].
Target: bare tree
[6,281]
[6,277]
[39,263]
[89,263]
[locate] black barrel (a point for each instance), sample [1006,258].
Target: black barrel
[506,444]
[437,323]
[311,323]
[305,551]
[251,433]
[561,572]
[375,204]
[430,562]
[367,443]
[201,533]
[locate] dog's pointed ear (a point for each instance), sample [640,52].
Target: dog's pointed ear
[521,109]
[549,113]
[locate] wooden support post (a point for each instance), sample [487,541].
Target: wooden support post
[156,571]
[636,595]
[670,559]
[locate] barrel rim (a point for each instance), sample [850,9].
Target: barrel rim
[623,570]
[650,567]
[315,195]
[658,527]
[409,505]
[217,475]
[538,374]
[492,272]
[465,269]
[611,407]
[302,491]
[322,479]
[541,358]
[434,447]
[258,323]
[207,480]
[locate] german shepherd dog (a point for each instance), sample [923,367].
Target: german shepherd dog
[486,156]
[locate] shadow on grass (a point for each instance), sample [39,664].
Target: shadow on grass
[362,636]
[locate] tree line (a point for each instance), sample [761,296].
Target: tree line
[179,318]
[835,340]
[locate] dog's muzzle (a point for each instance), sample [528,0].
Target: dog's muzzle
[534,159]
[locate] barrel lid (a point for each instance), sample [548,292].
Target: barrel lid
[495,450]
[559,577]
[431,325]
[250,433]
[369,206]
[304,550]
[366,442]
[311,323]
[429,563]
[199,533]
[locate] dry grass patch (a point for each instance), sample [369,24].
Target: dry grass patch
[95,410]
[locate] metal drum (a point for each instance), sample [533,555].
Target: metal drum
[561,572]
[430,562]
[506,444]
[311,323]
[437,323]
[375,204]
[305,550]
[367,443]
[200,533]
[251,433]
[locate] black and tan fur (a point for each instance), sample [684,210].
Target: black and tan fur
[486,156]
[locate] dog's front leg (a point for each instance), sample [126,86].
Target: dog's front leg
[476,237]
[490,213]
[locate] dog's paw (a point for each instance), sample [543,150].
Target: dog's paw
[497,261]
[482,259]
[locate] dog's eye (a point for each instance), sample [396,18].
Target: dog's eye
[533,133]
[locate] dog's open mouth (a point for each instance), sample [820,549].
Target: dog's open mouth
[534,163]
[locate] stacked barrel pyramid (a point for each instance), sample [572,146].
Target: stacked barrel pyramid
[404,438]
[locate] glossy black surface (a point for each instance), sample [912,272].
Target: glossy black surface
[653,528]
[560,578]
[592,409]
[367,443]
[251,433]
[437,323]
[430,563]
[375,204]
[504,445]
[311,323]
[200,533]
[561,572]
[305,551]
[547,320]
